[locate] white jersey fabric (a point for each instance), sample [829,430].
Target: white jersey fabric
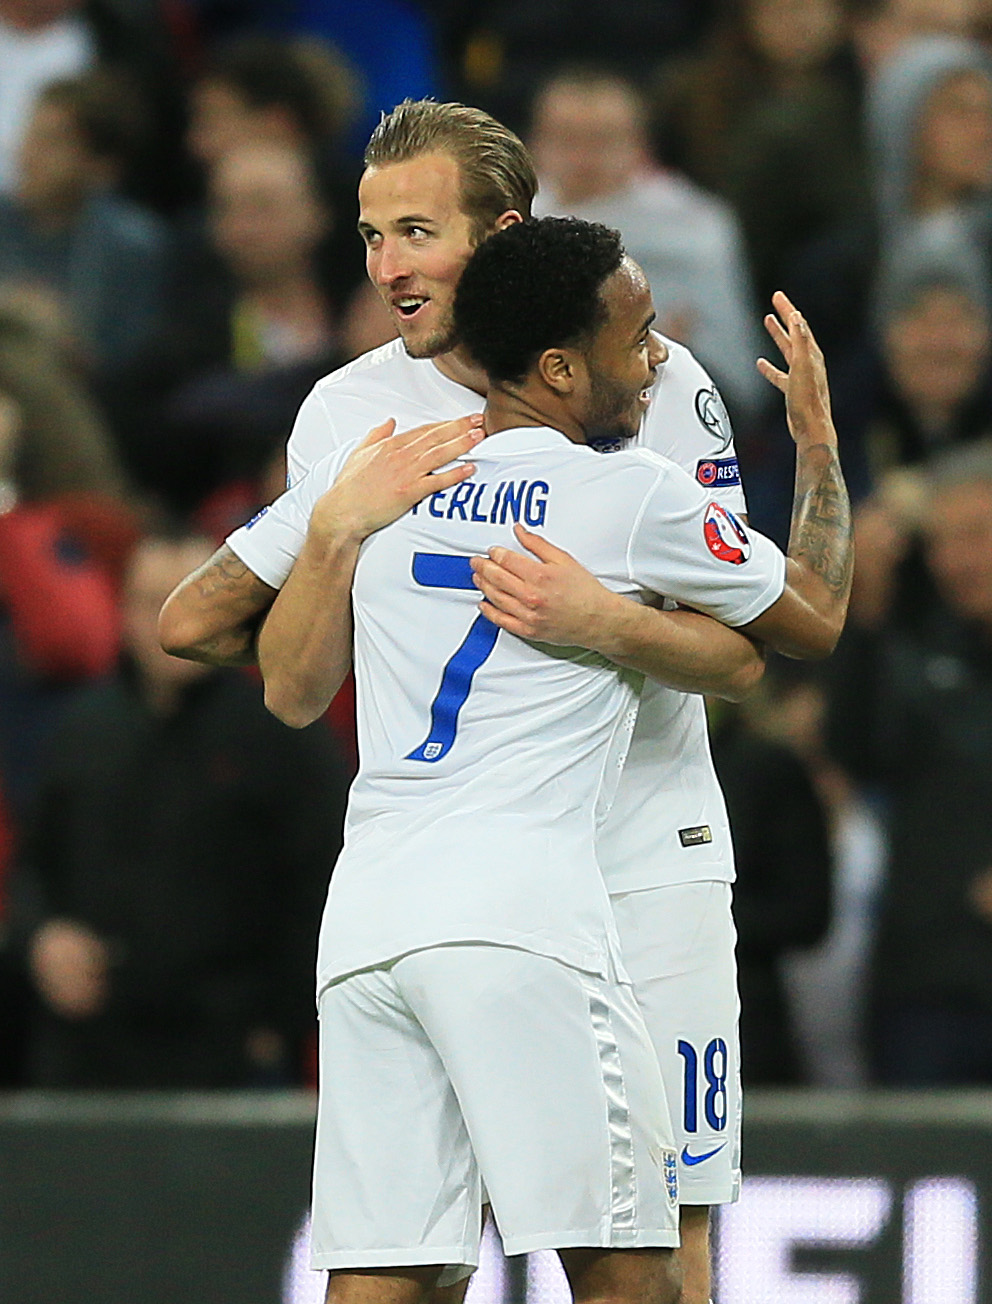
[669,821]
[487,762]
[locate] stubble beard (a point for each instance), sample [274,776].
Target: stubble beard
[611,417]
[441,340]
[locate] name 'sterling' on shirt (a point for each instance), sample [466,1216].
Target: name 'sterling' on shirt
[522,502]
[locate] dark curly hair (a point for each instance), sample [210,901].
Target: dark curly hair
[534,286]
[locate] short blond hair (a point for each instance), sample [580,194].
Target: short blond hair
[497,173]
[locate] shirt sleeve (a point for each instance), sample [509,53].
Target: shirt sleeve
[688,423]
[272,540]
[687,546]
[311,437]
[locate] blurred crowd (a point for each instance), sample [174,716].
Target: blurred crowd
[178,266]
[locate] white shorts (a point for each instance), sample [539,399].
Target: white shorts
[678,947]
[469,1063]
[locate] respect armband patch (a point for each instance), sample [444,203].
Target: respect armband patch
[718,472]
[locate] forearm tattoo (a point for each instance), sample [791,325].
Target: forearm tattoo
[821,535]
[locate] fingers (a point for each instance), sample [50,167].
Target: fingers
[539,546]
[439,432]
[441,480]
[510,562]
[436,455]
[380,433]
[783,305]
[772,374]
[511,624]
[779,334]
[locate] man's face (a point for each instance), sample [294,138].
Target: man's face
[588,141]
[220,121]
[959,547]
[954,142]
[417,242]
[622,361]
[265,215]
[154,570]
[937,348]
[54,162]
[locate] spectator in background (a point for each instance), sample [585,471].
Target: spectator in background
[782,895]
[927,381]
[62,530]
[249,331]
[920,381]
[169,886]
[266,90]
[930,129]
[51,40]
[62,526]
[285,92]
[590,145]
[766,115]
[929,124]
[39,43]
[67,231]
[911,712]
[881,27]
[499,53]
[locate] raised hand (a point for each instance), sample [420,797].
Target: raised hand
[804,383]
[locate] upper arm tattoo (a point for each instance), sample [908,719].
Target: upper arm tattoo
[226,575]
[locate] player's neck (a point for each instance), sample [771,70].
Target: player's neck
[508,409]
[458,366]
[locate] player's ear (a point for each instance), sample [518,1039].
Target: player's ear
[556,368]
[510,218]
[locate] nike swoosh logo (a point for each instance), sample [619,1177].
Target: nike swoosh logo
[690,1160]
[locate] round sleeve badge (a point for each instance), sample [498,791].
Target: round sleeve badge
[725,536]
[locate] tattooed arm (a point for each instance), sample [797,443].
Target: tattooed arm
[215,613]
[550,597]
[807,620]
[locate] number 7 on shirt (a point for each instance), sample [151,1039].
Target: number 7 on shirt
[437,570]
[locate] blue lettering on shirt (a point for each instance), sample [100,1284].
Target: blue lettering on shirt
[459,498]
[534,510]
[512,500]
[479,491]
[479,502]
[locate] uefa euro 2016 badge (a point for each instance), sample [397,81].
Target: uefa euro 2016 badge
[670,1168]
[725,536]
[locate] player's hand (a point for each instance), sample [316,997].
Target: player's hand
[548,597]
[804,383]
[70,966]
[387,474]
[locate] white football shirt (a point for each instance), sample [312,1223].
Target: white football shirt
[669,822]
[488,762]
